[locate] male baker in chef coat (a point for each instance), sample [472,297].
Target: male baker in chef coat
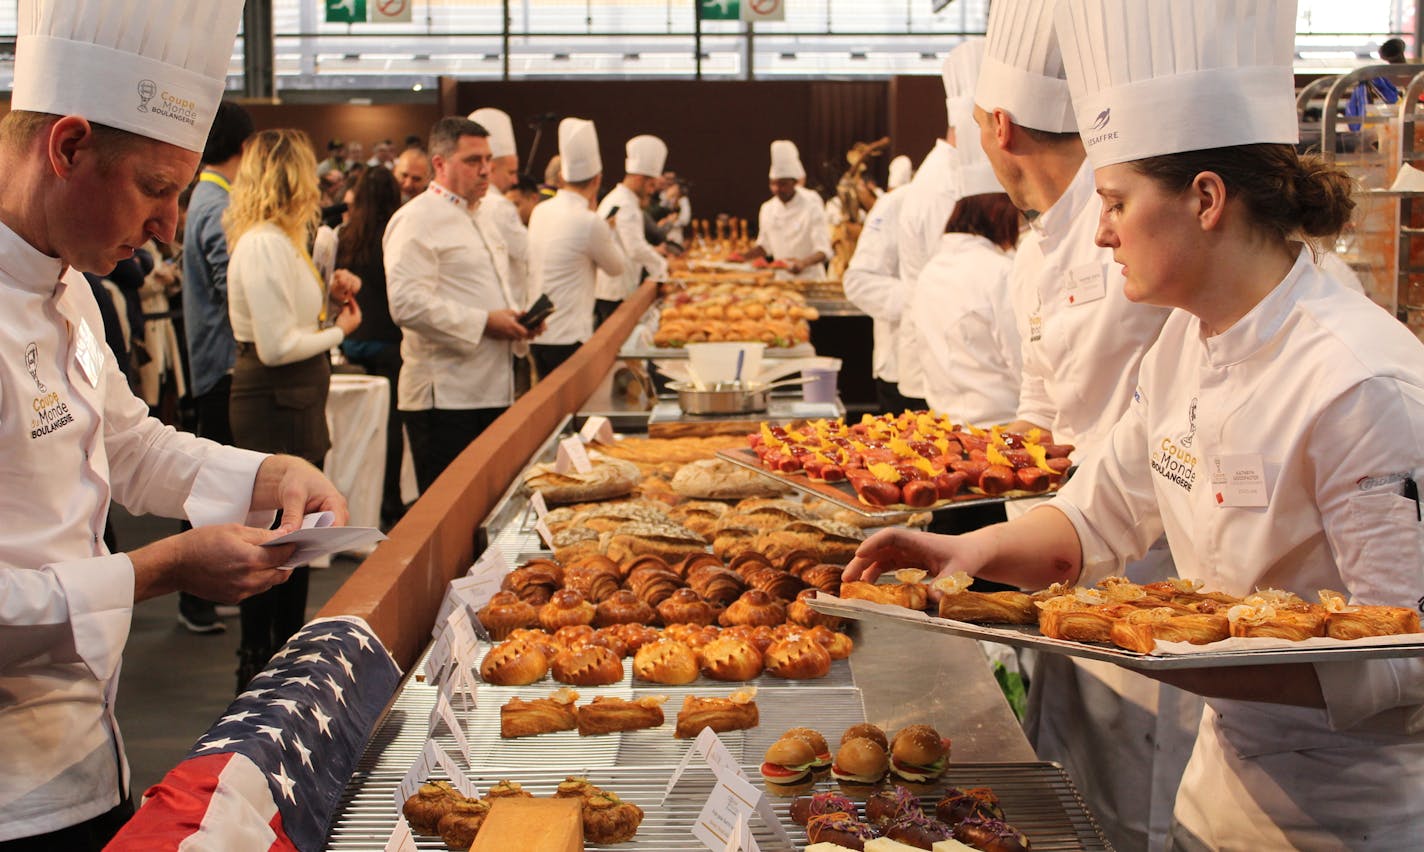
[791,226]
[106,129]
[643,168]
[496,210]
[1124,739]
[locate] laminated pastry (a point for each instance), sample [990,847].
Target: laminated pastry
[823,576]
[716,583]
[623,607]
[800,612]
[566,607]
[1345,621]
[433,800]
[667,540]
[535,581]
[505,613]
[513,663]
[755,607]
[590,665]
[736,712]
[715,479]
[652,584]
[730,658]
[684,606]
[1267,620]
[1140,629]
[908,595]
[521,718]
[1085,615]
[774,581]
[797,659]
[732,540]
[666,661]
[609,478]
[957,601]
[691,563]
[628,567]
[606,714]
[594,581]
[459,827]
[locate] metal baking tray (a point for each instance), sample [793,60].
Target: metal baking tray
[843,493]
[1038,799]
[1028,636]
[632,349]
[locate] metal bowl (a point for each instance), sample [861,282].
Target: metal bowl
[721,397]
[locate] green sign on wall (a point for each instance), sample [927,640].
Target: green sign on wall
[346,11]
[720,10]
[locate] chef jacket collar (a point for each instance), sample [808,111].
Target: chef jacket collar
[25,266]
[446,195]
[1261,324]
[1053,224]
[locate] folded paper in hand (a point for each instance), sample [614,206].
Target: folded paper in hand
[318,538]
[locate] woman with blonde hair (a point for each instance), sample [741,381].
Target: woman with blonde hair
[279,306]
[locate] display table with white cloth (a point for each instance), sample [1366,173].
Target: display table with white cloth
[356,410]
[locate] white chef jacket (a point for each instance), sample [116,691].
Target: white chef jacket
[1323,390]
[499,216]
[965,322]
[568,245]
[872,280]
[795,230]
[72,445]
[444,275]
[932,194]
[632,238]
[274,298]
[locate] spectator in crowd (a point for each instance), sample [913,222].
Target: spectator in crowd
[679,214]
[376,344]
[525,195]
[383,154]
[553,177]
[335,158]
[355,155]
[449,292]
[208,332]
[278,308]
[413,142]
[412,171]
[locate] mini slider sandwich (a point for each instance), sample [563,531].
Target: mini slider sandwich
[919,754]
[787,768]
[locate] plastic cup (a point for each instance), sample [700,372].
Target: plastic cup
[717,362]
[820,385]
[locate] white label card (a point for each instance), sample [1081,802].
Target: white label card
[443,712]
[722,826]
[419,771]
[1086,284]
[572,452]
[713,751]
[466,787]
[597,428]
[438,659]
[401,838]
[541,508]
[1239,480]
[545,535]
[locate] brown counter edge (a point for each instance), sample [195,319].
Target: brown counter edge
[398,589]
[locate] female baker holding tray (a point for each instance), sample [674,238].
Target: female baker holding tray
[1275,434]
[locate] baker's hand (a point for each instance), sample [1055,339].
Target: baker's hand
[344,285]
[899,547]
[350,317]
[224,563]
[297,488]
[504,325]
[794,266]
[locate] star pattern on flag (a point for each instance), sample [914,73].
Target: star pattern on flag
[304,680]
[286,704]
[303,751]
[239,716]
[287,784]
[274,733]
[220,742]
[345,664]
[336,688]
[323,721]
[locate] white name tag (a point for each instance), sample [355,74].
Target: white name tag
[598,428]
[1086,284]
[88,354]
[1239,480]
[572,454]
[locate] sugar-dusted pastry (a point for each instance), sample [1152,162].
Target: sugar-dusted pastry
[564,608]
[685,606]
[606,714]
[459,827]
[730,658]
[1140,629]
[1266,620]
[623,607]
[957,601]
[666,661]
[514,663]
[590,665]
[736,712]
[521,718]
[798,659]
[754,607]
[1346,621]
[505,613]
[433,800]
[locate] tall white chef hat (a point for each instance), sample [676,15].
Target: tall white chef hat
[974,173]
[786,161]
[961,73]
[152,67]
[901,170]
[1152,77]
[578,150]
[1022,72]
[501,131]
[646,156]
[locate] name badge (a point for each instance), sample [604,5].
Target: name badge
[88,354]
[1035,328]
[1086,284]
[1239,480]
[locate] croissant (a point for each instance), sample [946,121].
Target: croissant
[591,665]
[694,561]
[606,715]
[594,583]
[684,606]
[715,583]
[596,561]
[459,827]
[907,595]
[505,613]
[798,562]
[743,563]
[432,801]
[535,582]
[1139,631]
[754,607]
[775,582]
[653,585]
[798,659]
[520,718]
[513,663]
[823,576]
[566,607]
[623,607]
[647,560]
[730,658]
[800,612]
[667,661]
[989,607]
[736,713]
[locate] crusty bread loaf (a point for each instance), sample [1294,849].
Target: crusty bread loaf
[715,479]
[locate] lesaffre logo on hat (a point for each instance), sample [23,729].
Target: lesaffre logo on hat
[1102,120]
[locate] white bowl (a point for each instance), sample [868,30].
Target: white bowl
[717,362]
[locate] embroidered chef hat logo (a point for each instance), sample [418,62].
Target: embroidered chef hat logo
[32,363]
[1191,424]
[1103,118]
[146,90]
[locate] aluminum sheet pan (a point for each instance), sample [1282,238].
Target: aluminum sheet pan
[843,493]
[1028,636]
[1038,798]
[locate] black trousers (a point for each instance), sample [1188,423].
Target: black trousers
[891,401]
[603,309]
[387,363]
[548,356]
[438,435]
[88,836]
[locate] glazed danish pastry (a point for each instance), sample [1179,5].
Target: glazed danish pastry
[566,607]
[754,607]
[685,606]
[514,663]
[520,718]
[505,613]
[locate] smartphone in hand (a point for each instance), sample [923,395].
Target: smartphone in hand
[537,313]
